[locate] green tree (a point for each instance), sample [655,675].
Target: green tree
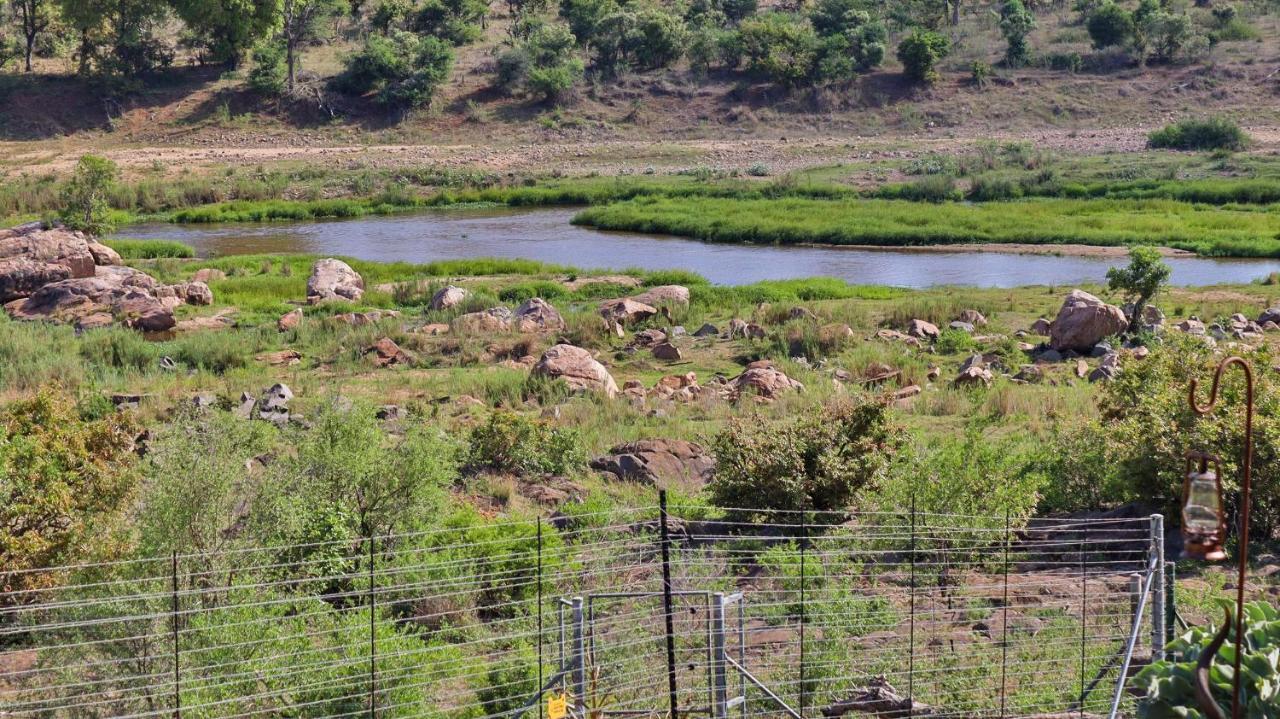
[401,69]
[118,37]
[455,21]
[228,28]
[779,48]
[34,17]
[84,197]
[269,75]
[584,16]
[1109,25]
[920,52]
[817,462]
[64,484]
[302,21]
[1016,22]
[554,68]
[1145,275]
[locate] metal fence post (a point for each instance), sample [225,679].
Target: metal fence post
[720,702]
[177,664]
[1171,600]
[373,641]
[1084,609]
[579,660]
[911,641]
[540,615]
[1004,621]
[1158,601]
[804,540]
[667,610]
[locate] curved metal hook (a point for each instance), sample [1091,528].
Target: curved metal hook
[1204,696]
[1217,380]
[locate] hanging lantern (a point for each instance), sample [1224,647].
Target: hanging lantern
[1203,524]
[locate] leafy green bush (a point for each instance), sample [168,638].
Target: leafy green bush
[1016,23]
[778,48]
[1168,684]
[550,67]
[1145,275]
[84,197]
[1214,133]
[269,73]
[920,52]
[820,461]
[510,680]
[457,22]
[1110,25]
[511,442]
[401,69]
[644,37]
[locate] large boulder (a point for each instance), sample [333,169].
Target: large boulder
[661,462]
[333,279]
[1084,321]
[577,368]
[765,382]
[663,294]
[494,319]
[119,293]
[537,315]
[448,297]
[626,310]
[922,330]
[31,257]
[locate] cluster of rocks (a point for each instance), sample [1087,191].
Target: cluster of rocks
[660,462]
[535,315]
[272,407]
[66,276]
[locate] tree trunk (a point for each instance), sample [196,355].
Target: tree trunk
[31,43]
[955,12]
[289,60]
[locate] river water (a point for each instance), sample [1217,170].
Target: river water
[547,236]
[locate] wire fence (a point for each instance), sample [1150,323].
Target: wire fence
[638,612]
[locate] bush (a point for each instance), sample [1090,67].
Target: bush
[511,442]
[584,16]
[817,462]
[779,48]
[646,38]
[980,73]
[84,197]
[1214,133]
[1163,34]
[1168,684]
[65,484]
[1109,25]
[454,21]
[269,74]
[544,64]
[1016,22]
[919,54]
[402,69]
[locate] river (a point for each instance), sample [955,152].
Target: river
[547,236]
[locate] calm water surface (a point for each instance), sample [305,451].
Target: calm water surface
[546,235]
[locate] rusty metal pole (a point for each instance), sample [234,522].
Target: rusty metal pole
[1210,707]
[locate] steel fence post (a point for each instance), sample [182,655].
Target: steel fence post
[1170,600]
[667,610]
[539,615]
[579,660]
[177,664]
[720,704]
[911,634]
[1158,636]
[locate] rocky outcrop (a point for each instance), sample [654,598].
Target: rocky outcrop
[32,257]
[764,381]
[537,315]
[333,279]
[972,317]
[663,294]
[577,368]
[448,298]
[386,353]
[661,462]
[626,310]
[1083,321]
[113,294]
[667,352]
[974,376]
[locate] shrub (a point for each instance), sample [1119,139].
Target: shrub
[919,54]
[1109,25]
[738,10]
[818,462]
[402,69]
[584,16]
[65,483]
[1163,34]
[779,48]
[270,73]
[646,38]
[84,197]
[544,64]
[1140,281]
[980,72]
[511,442]
[1168,684]
[930,188]
[1214,133]
[1016,22]
[454,21]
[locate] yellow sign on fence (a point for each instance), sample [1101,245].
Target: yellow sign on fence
[557,706]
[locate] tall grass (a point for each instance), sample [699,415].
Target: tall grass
[1225,232]
[130,249]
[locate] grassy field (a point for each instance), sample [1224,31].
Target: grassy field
[1224,232]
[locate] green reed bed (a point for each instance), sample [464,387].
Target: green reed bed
[1224,232]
